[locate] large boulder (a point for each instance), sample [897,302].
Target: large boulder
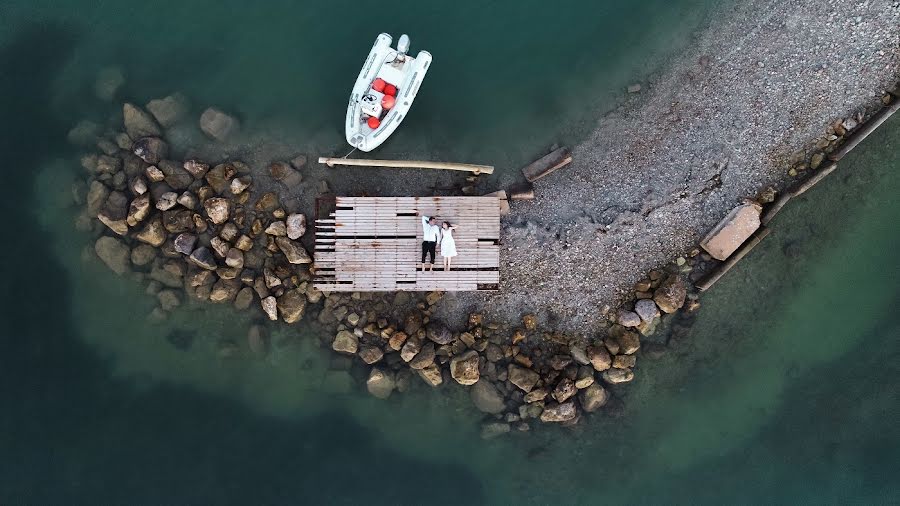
[671,294]
[224,290]
[218,209]
[291,306]
[153,233]
[150,149]
[168,110]
[184,243]
[464,368]
[380,383]
[175,174]
[487,397]
[564,390]
[646,309]
[424,358]
[202,257]
[593,398]
[732,231]
[629,319]
[108,82]
[138,210]
[599,357]
[523,378]
[431,375]
[629,342]
[293,251]
[114,253]
[96,197]
[559,412]
[139,123]
[296,226]
[345,342]
[615,376]
[217,124]
[114,213]
[439,333]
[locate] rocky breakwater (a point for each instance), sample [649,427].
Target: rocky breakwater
[515,374]
[190,228]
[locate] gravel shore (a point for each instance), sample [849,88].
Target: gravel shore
[728,117]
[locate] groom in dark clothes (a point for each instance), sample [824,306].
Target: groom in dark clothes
[430,233]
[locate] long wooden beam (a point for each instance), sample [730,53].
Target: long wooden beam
[409,164]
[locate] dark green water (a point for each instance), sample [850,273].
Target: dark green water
[785,391]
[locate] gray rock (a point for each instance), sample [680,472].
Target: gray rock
[176,176]
[487,398]
[96,197]
[431,375]
[188,200]
[184,243]
[579,354]
[167,201]
[202,257]
[114,253]
[114,213]
[138,185]
[143,254]
[108,82]
[439,333]
[559,412]
[168,299]
[138,210]
[150,149]
[84,133]
[291,306]
[370,354]
[523,378]
[490,430]
[671,294]
[424,358]
[243,299]
[293,251]
[217,124]
[380,383]
[218,209]
[646,309]
[464,368]
[629,319]
[296,226]
[585,377]
[224,290]
[593,398]
[169,110]
[270,307]
[139,123]
[615,376]
[239,184]
[564,390]
[196,168]
[277,228]
[108,164]
[235,258]
[599,358]
[345,342]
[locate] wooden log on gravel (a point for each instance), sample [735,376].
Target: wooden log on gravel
[866,129]
[548,163]
[710,279]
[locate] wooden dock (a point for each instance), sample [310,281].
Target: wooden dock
[374,244]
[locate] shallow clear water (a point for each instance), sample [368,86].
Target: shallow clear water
[785,390]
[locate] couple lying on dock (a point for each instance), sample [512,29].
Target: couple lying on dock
[432,235]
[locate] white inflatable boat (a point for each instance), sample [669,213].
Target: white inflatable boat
[384,91]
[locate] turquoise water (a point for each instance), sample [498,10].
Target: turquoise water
[783,392]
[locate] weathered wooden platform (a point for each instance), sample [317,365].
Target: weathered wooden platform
[374,244]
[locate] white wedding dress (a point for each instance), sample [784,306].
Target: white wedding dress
[448,245]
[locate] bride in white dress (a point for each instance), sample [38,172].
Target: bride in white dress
[448,245]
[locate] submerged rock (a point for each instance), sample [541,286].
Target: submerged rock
[559,412]
[114,253]
[523,378]
[150,149]
[431,375]
[108,82]
[139,123]
[153,233]
[168,110]
[345,342]
[593,398]
[380,383]
[217,124]
[291,306]
[487,398]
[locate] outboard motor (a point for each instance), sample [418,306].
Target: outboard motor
[403,45]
